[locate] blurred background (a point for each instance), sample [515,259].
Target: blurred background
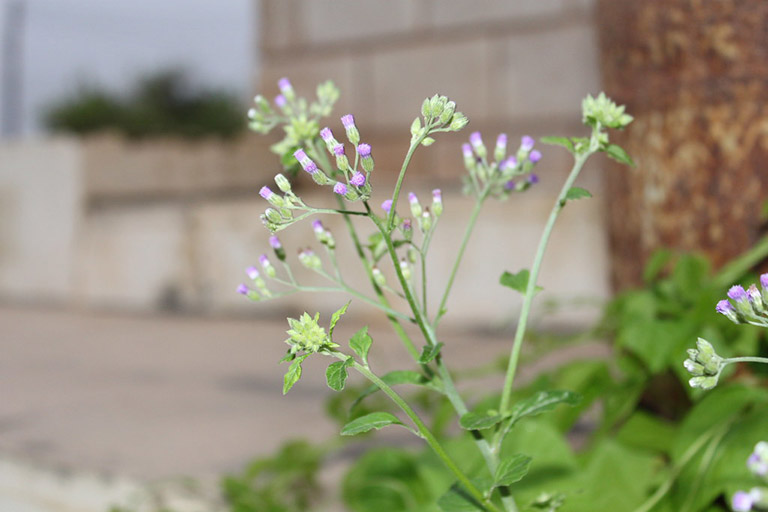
[129,205]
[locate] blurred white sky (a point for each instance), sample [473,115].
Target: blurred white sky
[112,42]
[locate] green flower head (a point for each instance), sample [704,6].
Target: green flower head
[306,335]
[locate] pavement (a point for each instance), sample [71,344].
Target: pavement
[95,407]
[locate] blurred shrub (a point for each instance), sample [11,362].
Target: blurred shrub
[164,103]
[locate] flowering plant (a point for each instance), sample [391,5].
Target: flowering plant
[401,240]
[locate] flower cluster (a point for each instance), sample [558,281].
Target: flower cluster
[306,335]
[748,306]
[505,173]
[757,497]
[704,365]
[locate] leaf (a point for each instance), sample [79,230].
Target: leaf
[288,357]
[518,281]
[558,141]
[429,353]
[336,374]
[577,193]
[512,470]
[293,374]
[457,499]
[542,401]
[361,344]
[428,141]
[335,318]
[416,127]
[618,154]
[478,421]
[396,377]
[374,420]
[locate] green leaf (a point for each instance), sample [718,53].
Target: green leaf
[618,154]
[428,141]
[396,377]
[512,469]
[429,353]
[361,343]
[335,318]
[457,499]
[374,420]
[542,401]
[656,264]
[558,141]
[293,374]
[576,193]
[336,374]
[478,421]
[287,358]
[416,127]
[518,281]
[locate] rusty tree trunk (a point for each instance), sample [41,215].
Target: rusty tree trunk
[695,76]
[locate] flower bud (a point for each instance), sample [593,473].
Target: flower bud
[321,178]
[330,141]
[535,156]
[469,157]
[282,183]
[273,216]
[755,299]
[274,242]
[310,260]
[458,121]
[306,163]
[366,160]
[386,205]
[724,307]
[340,188]
[405,269]
[527,143]
[349,125]
[323,235]
[739,295]
[406,229]
[270,196]
[437,202]
[415,206]
[378,277]
[413,255]
[501,147]
[425,223]
[448,111]
[286,89]
[280,101]
[261,285]
[269,269]
[242,289]
[476,140]
[357,179]
[758,460]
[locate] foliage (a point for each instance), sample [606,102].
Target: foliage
[161,104]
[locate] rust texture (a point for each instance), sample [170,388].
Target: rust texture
[695,76]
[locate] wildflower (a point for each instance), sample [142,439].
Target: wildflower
[306,163]
[349,126]
[378,277]
[242,289]
[386,205]
[270,196]
[269,269]
[704,365]
[501,147]
[338,149]
[407,229]
[476,140]
[326,134]
[415,206]
[742,502]
[286,88]
[252,272]
[738,294]
[533,179]
[526,143]
[758,460]
[535,156]
[364,150]
[340,188]
[437,202]
[280,101]
[358,179]
[469,157]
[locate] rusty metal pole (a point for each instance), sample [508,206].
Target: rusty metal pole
[694,73]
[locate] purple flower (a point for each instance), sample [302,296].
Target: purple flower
[338,149]
[242,289]
[476,140]
[326,134]
[533,179]
[764,281]
[280,101]
[742,502]
[340,188]
[348,121]
[266,192]
[407,225]
[386,205]
[317,226]
[467,150]
[510,185]
[274,242]
[437,195]
[358,179]
[738,294]
[501,141]
[412,198]
[264,260]
[535,156]
[300,155]
[364,150]
[526,143]
[252,272]
[509,163]
[723,307]
[284,85]
[310,167]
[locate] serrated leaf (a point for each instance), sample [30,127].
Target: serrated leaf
[617,153]
[429,353]
[518,281]
[361,343]
[512,470]
[428,141]
[372,421]
[577,193]
[335,318]
[396,377]
[457,499]
[478,421]
[293,374]
[542,401]
[336,374]
[559,141]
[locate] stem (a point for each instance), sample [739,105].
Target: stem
[530,289]
[704,465]
[464,241]
[731,360]
[396,194]
[427,435]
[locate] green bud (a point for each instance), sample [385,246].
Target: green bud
[321,178]
[458,121]
[435,106]
[426,108]
[367,163]
[405,268]
[351,194]
[448,111]
[413,255]
[282,183]
[378,277]
[273,216]
[426,221]
[310,260]
[416,127]
[705,383]
[342,163]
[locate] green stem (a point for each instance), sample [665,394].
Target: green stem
[704,465]
[464,241]
[427,435]
[731,360]
[391,216]
[738,267]
[530,289]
